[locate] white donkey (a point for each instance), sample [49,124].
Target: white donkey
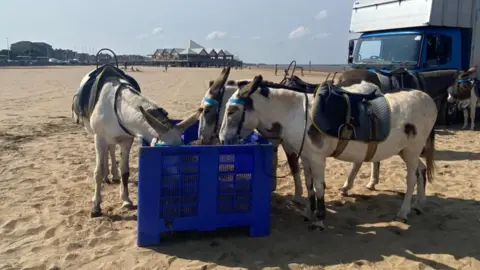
[76,111]
[411,118]
[465,93]
[214,104]
[118,113]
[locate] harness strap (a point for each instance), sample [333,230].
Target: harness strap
[345,131]
[115,107]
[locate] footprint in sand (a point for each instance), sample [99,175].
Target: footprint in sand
[10,225]
[71,257]
[49,233]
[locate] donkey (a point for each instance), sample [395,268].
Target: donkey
[214,103]
[434,83]
[466,94]
[115,112]
[384,125]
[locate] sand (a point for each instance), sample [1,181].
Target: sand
[46,186]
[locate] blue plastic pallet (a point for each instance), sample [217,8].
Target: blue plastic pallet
[203,188]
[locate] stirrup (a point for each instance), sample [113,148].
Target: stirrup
[345,132]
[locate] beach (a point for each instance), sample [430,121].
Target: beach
[46,187]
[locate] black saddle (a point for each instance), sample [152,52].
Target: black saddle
[351,116]
[295,81]
[88,93]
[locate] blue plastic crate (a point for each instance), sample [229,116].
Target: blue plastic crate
[203,187]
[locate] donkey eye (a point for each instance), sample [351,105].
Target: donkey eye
[231,112]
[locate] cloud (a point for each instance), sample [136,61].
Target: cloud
[319,36]
[142,36]
[157,30]
[322,14]
[255,38]
[216,35]
[299,32]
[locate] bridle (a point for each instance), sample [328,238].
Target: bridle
[217,104]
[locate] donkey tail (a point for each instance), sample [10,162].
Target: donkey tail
[430,155]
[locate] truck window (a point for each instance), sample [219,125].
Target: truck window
[439,50]
[370,49]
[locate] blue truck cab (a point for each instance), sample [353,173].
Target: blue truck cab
[420,35]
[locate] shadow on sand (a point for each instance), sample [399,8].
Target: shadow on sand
[359,228]
[449,155]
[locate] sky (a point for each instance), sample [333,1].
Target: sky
[259,31]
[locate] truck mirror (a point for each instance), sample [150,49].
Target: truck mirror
[351,45]
[350,59]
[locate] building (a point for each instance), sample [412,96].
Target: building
[195,56]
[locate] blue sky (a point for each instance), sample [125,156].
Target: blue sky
[269,31]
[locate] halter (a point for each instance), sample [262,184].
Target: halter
[242,120]
[217,104]
[115,108]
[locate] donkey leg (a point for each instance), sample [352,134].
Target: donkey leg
[294,165]
[274,169]
[114,167]
[465,118]
[125,170]
[318,175]
[101,152]
[374,176]
[473,110]
[421,174]
[411,160]
[311,206]
[351,178]
[292,159]
[105,165]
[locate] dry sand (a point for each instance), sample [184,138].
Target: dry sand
[47,162]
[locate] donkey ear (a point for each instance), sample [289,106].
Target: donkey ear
[158,126]
[250,88]
[189,121]
[220,81]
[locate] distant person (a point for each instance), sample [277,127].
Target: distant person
[276,69]
[301,71]
[125,64]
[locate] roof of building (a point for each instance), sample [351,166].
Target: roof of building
[194,49]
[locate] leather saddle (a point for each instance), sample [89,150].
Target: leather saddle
[295,81]
[88,93]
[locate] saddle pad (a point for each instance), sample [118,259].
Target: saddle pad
[330,110]
[89,92]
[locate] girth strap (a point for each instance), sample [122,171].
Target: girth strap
[345,131]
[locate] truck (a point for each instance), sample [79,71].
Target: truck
[419,35]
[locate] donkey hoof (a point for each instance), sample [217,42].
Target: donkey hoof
[401,219]
[317,226]
[128,206]
[96,213]
[115,180]
[107,181]
[343,191]
[372,188]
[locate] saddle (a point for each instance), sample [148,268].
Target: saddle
[88,93]
[295,81]
[363,117]
[403,77]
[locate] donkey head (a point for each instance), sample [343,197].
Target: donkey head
[240,118]
[212,104]
[462,88]
[168,133]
